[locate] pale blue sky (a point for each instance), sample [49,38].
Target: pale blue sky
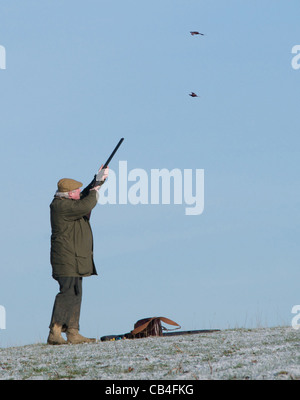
[82,74]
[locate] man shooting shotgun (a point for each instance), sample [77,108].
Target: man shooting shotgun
[72,251]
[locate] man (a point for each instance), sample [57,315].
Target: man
[71,255]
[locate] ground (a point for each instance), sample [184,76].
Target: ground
[251,354]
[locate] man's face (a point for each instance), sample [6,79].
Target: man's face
[75,194]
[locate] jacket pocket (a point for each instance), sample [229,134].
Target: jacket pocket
[84,265]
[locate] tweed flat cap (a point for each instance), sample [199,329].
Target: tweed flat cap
[67,185]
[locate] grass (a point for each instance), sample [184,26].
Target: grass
[265,353]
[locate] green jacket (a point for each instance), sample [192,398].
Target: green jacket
[72,238]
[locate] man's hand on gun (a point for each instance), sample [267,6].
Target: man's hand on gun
[102,175]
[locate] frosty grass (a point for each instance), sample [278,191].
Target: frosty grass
[255,354]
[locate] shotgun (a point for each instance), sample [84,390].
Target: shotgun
[97,178]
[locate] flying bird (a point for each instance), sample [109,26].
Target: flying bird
[196,33]
[192,94]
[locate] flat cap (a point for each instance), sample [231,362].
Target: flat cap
[67,185]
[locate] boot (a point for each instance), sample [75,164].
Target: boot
[55,335]
[74,337]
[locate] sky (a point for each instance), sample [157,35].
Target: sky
[78,76]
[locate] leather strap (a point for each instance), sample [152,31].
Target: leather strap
[144,326]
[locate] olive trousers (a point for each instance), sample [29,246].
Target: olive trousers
[67,304]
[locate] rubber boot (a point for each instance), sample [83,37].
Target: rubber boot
[74,337]
[55,335]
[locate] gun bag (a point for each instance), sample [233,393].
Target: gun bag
[150,327]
